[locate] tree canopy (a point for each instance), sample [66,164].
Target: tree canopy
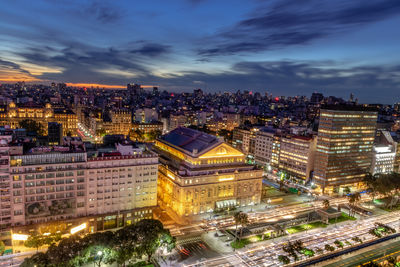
[387,184]
[32,126]
[141,239]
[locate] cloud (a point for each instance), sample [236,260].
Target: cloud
[82,63]
[294,78]
[103,12]
[288,23]
[11,66]
[152,50]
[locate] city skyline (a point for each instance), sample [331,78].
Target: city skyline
[283,47]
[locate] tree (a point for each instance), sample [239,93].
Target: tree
[153,135]
[32,126]
[346,190]
[353,200]
[338,244]
[284,259]
[143,238]
[39,259]
[326,204]
[125,243]
[52,238]
[357,239]
[34,241]
[2,247]
[150,236]
[298,245]
[137,134]
[329,248]
[391,260]
[387,184]
[290,249]
[281,184]
[242,219]
[226,134]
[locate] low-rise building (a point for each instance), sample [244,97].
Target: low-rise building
[200,173]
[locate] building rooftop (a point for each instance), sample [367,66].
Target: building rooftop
[190,140]
[348,108]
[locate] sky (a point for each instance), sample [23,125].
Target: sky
[284,47]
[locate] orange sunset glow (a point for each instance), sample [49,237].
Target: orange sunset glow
[97,85]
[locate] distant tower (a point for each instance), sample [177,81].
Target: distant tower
[351,97]
[134,88]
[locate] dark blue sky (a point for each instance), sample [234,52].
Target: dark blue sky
[284,47]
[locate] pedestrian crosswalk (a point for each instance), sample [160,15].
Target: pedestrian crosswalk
[187,240]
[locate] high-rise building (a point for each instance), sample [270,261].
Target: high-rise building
[201,173]
[267,148]
[55,133]
[344,147]
[316,98]
[241,138]
[296,156]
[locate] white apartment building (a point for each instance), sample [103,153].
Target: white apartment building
[47,187]
[266,148]
[105,191]
[126,185]
[383,159]
[5,187]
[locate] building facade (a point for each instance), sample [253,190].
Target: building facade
[200,173]
[242,138]
[148,127]
[267,148]
[13,114]
[383,159]
[297,155]
[344,147]
[55,184]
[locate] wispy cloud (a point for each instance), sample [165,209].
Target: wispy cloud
[288,23]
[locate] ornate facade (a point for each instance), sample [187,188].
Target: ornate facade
[13,114]
[200,173]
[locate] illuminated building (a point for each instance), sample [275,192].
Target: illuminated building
[383,159]
[67,184]
[5,184]
[267,148]
[384,153]
[148,127]
[296,156]
[200,173]
[241,138]
[121,122]
[344,147]
[13,114]
[176,121]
